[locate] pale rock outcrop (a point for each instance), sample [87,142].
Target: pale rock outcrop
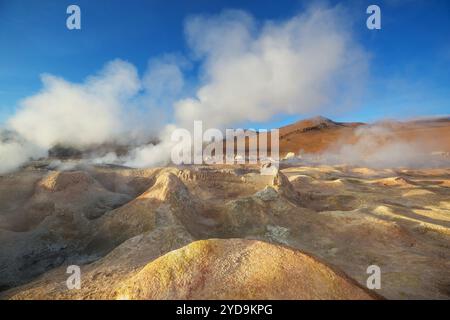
[239,269]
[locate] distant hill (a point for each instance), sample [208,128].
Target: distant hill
[318,134]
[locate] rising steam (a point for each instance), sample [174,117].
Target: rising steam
[250,71]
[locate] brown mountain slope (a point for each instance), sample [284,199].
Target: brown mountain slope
[320,134]
[315,135]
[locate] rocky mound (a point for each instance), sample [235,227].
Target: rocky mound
[349,217]
[239,269]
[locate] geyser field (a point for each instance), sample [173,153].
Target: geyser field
[309,231]
[120,179]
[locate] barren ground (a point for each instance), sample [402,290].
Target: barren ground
[116,222]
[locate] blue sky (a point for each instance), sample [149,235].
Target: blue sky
[409,73]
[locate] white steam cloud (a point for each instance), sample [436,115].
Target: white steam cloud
[13,154]
[78,115]
[250,71]
[380,146]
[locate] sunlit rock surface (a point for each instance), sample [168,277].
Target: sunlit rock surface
[133,232]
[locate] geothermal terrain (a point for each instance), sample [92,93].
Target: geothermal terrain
[342,200]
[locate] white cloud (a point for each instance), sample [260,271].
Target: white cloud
[78,114]
[114,105]
[13,154]
[380,146]
[253,72]
[250,71]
